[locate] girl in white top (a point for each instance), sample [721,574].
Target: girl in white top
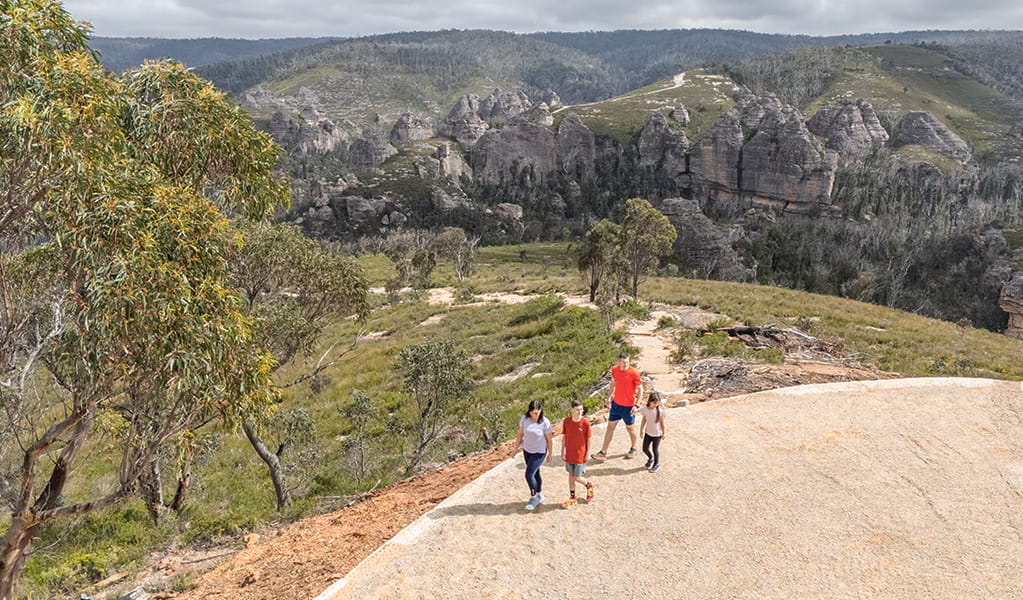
[652,427]
[536,438]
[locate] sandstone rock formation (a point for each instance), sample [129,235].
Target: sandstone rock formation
[1011,301]
[661,147]
[312,132]
[519,149]
[703,243]
[507,211]
[446,163]
[923,128]
[851,128]
[761,152]
[411,127]
[499,107]
[576,148]
[680,114]
[370,152]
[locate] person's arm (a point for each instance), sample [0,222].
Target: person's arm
[642,424]
[660,419]
[610,393]
[518,439]
[639,393]
[550,445]
[563,448]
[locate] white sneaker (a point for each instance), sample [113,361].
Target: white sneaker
[533,501]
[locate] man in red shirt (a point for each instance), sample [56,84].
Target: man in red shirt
[575,436]
[625,391]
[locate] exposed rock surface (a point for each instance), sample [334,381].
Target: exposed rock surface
[411,127]
[312,132]
[518,149]
[703,243]
[1011,301]
[576,147]
[923,128]
[508,212]
[661,147]
[370,152]
[500,106]
[680,114]
[761,152]
[851,128]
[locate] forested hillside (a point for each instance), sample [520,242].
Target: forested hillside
[121,54]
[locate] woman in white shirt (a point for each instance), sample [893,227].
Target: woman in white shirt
[536,438]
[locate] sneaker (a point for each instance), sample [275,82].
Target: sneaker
[655,468]
[533,501]
[539,498]
[649,463]
[570,502]
[599,455]
[589,492]
[631,453]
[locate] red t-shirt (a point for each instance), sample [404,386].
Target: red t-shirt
[626,383]
[577,435]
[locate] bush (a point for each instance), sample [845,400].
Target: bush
[634,309]
[666,322]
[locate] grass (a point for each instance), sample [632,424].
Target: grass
[571,350]
[706,97]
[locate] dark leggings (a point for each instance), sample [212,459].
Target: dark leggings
[533,479]
[654,442]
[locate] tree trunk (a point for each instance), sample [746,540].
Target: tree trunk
[273,465]
[14,552]
[184,479]
[152,491]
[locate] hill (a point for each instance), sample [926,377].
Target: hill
[120,54]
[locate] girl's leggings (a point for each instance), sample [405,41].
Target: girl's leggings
[533,479]
[652,443]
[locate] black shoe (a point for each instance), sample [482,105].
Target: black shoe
[649,463]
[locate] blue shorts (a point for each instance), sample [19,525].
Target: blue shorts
[623,413]
[577,470]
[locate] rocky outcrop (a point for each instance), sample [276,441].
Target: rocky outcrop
[363,209]
[520,149]
[661,147]
[508,212]
[312,132]
[499,107]
[576,148]
[925,129]
[680,115]
[442,201]
[761,152]
[704,245]
[370,152]
[445,163]
[1011,301]
[411,127]
[851,128]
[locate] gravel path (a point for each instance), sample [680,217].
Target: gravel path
[907,488]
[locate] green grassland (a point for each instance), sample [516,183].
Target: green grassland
[914,78]
[705,95]
[232,495]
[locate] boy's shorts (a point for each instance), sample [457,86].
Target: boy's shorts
[622,413]
[577,470]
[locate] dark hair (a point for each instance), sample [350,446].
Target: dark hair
[653,397]
[623,355]
[534,404]
[576,403]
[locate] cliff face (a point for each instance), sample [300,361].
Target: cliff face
[851,128]
[519,147]
[925,129]
[1011,301]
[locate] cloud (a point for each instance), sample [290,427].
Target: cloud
[277,18]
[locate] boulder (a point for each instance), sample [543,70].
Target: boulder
[923,128]
[442,201]
[508,212]
[680,115]
[452,163]
[500,106]
[851,128]
[363,209]
[411,127]
[312,132]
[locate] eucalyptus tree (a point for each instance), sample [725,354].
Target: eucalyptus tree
[647,235]
[117,317]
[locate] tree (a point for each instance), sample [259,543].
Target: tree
[597,253]
[647,235]
[453,243]
[292,285]
[128,325]
[438,377]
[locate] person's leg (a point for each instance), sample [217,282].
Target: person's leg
[533,462]
[571,484]
[632,434]
[608,434]
[657,450]
[647,441]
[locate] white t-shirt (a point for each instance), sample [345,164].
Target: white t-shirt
[653,426]
[534,439]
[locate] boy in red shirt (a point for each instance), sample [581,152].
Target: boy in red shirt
[575,443]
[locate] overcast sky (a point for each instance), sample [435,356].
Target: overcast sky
[345,18]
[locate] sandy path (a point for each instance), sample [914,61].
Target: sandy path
[892,489]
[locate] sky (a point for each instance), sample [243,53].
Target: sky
[349,18]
